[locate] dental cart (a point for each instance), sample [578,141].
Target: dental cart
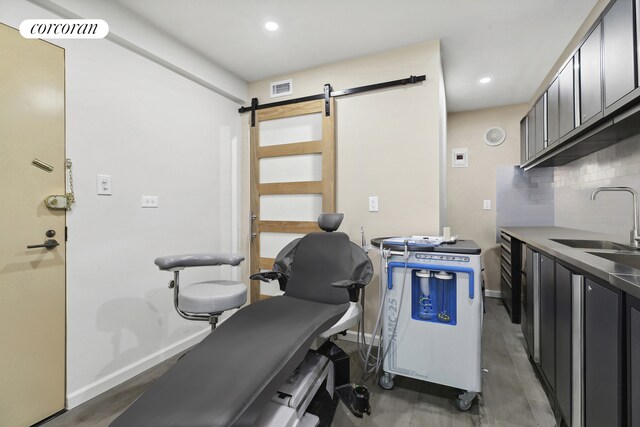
[432,313]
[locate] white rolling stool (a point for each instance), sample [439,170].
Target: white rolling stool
[204,300]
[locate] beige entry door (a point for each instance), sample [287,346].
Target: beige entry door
[32,281]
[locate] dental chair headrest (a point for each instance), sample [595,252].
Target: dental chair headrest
[330,221]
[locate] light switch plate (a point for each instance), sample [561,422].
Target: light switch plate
[486,205]
[103,183]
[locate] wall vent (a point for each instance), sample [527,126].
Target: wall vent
[281,88]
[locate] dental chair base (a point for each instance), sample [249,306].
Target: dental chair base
[297,393]
[299,401]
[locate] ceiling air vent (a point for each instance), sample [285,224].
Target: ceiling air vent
[281,88]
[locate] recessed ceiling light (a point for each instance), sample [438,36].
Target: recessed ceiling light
[485,80]
[271,26]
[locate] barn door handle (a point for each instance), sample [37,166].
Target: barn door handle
[49,244]
[252,218]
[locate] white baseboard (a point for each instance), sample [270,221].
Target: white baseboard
[103,384]
[492,294]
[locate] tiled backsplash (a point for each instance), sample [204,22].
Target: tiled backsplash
[524,198]
[616,165]
[560,196]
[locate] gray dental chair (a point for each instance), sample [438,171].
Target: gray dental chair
[234,376]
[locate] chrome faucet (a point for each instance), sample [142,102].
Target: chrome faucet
[635,238]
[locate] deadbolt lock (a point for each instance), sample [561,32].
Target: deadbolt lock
[56,201]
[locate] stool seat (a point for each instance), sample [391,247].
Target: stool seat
[212,296]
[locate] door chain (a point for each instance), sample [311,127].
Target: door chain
[71,198]
[63,201]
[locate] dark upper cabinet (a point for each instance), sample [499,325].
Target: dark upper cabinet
[540,121]
[547,319]
[600,80]
[602,356]
[531,134]
[553,112]
[618,51]
[566,100]
[591,76]
[633,361]
[523,140]
[563,340]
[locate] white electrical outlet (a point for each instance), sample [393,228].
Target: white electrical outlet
[149,201]
[103,183]
[487,205]
[373,204]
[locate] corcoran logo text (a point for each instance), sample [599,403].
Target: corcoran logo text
[64,29]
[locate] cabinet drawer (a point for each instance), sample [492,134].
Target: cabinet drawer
[506,259]
[505,248]
[506,279]
[506,267]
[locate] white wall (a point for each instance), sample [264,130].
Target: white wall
[156,133]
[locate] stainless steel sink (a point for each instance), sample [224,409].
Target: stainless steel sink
[594,244]
[630,260]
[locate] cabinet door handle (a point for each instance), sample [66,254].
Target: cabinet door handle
[589,288]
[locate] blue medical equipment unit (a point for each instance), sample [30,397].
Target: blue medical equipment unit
[432,309]
[272,361]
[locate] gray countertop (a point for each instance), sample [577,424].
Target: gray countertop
[619,275]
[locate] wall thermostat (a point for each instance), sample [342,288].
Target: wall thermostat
[459,158]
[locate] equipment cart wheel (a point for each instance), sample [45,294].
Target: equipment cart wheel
[465,400]
[386,381]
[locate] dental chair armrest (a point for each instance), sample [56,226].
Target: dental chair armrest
[348,284]
[178,262]
[267,276]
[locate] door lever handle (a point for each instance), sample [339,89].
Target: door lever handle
[49,244]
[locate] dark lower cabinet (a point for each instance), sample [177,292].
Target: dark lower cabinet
[602,356]
[547,320]
[605,347]
[563,341]
[633,361]
[527,301]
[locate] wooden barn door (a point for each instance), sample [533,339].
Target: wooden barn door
[292,179]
